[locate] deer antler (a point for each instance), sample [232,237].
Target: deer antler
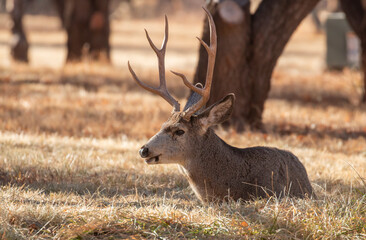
[205,91]
[162,89]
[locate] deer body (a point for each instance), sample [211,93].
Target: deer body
[214,169]
[219,171]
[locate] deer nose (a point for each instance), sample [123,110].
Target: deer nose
[144,152]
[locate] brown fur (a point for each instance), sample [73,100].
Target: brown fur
[218,171]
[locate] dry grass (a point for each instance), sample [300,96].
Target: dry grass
[69,167]
[61,187]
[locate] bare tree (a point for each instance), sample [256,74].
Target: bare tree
[355,11]
[249,45]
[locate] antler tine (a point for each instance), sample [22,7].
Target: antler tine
[160,53]
[205,91]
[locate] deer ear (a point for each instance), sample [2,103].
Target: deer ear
[218,112]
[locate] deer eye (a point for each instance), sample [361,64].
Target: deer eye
[179,132]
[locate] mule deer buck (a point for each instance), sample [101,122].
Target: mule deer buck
[214,169]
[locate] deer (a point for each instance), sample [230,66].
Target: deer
[215,170]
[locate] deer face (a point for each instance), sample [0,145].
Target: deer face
[171,143]
[180,140]
[180,134]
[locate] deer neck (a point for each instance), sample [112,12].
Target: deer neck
[210,154]
[207,164]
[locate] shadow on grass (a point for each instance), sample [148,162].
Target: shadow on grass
[260,214]
[93,83]
[106,183]
[286,129]
[85,117]
[293,93]
[123,182]
[313,97]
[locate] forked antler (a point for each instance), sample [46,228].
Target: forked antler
[162,89]
[205,91]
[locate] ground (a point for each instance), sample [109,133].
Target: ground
[69,140]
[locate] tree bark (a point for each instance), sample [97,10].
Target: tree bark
[61,8]
[355,11]
[100,31]
[247,53]
[86,23]
[19,45]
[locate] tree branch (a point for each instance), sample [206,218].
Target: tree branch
[355,14]
[278,18]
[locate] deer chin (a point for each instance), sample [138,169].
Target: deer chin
[153,160]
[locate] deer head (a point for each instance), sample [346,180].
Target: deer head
[182,136]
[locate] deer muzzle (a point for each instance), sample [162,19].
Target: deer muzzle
[145,153]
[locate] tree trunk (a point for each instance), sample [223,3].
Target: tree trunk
[100,30]
[248,48]
[19,45]
[61,8]
[355,11]
[86,23]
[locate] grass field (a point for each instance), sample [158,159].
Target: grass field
[69,137]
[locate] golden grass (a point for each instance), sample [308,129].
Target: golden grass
[63,187]
[60,187]
[69,167]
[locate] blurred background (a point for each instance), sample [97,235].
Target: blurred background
[72,119]
[52,52]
